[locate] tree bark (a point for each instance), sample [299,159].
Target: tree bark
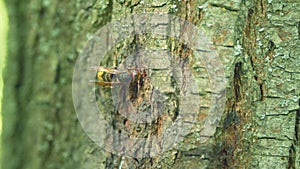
[257,42]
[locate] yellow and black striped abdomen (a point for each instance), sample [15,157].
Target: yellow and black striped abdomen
[104,76]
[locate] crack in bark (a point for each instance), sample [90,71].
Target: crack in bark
[133,6]
[276,115]
[270,138]
[225,46]
[159,6]
[229,8]
[261,88]
[291,163]
[297,124]
[274,97]
[237,82]
[89,7]
[57,73]
[292,151]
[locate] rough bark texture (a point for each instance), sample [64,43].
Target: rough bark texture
[257,41]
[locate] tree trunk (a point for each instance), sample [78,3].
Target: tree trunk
[257,42]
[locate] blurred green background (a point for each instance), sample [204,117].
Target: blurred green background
[3,31]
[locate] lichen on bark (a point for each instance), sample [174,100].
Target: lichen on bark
[257,41]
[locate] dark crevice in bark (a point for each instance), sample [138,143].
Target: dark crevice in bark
[238,108]
[237,81]
[269,138]
[287,137]
[297,124]
[57,73]
[271,48]
[272,155]
[229,140]
[89,7]
[133,6]
[225,46]
[199,151]
[274,97]
[250,14]
[177,156]
[252,65]
[109,162]
[276,115]
[291,162]
[159,6]
[292,152]
[108,12]
[261,91]
[229,8]
[187,11]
